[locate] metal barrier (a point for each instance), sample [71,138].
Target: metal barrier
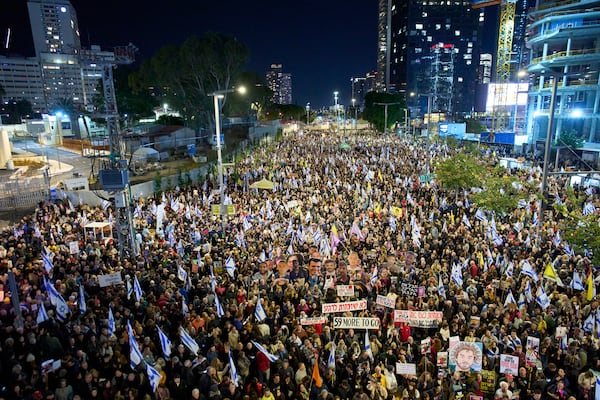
[22,200]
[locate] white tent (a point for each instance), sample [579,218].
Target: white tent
[145,154]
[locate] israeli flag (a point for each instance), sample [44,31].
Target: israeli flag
[509,269]
[510,299]
[528,270]
[218,305]
[290,249]
[184,307]
[165,343]
[536,219]
[542,298]
[42,314]
[480,215]
[522,203]
[259,311]
[588,208]
[368,345]
[456,275]
[441,288]
[375,276]
[153,376]
[465,221]
[233,371]
[230,267]
[137,289]
[105,204]
[188,341]
[588,324]
[331,359]
[576,282]
[111,322]
[263,256]
[62,308]
[521,301]
[129,289]
[246,224]
[181,273]
[135,355]
[46,258]
[528,292]
[317,236]
[82,305]
[260,348]
[392,223]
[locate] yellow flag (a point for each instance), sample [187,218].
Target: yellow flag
[377,209]
[452,217]
[591,288]
[481,262]
[380,176]
[334,230]
[397,211]
[368,186]
[549,272]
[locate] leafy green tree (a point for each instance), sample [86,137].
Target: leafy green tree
[188,73]
[474,125]
[170,120]
[257,97]
[375,113]
[501,192]
[569,139]
[459,171]
[583,232]
[286,112]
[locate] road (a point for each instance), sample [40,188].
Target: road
[81,165]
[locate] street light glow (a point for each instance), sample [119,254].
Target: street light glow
[577,113]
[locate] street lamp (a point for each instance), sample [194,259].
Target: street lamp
[355,114]
[307,114]
[335,99]
[216,95]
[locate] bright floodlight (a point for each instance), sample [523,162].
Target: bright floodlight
[577,113]
[241,90]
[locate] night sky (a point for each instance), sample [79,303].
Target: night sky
[321,43]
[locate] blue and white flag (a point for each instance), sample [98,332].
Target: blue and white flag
[368,345]
[262,256]
[135,355]
[220,312]
[82,305]
[441,288]
[165,343]
[129,289]
[576,282]
[510,299]
[509,269]
[536,219]
[542,298]
[230,267]
[260,348]
[521,301]
[181,273]
[259,311]
[187,340]
[528,270]
[456,275]
[137,289]
[589,323]
[375,276]
[42,314]
[290,249]
[528,292]
[331,359]
[480,215]
[111,322]
[465,221]
[233,371]
[597,389]
[47,259]
[184,308]
[62,308]
[588,208]
[153,376]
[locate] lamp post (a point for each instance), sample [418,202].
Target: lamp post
[406,122]
[216,95]
[355,114]
[335,105]
[307,114]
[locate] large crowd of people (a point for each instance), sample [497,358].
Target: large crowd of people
[248,305]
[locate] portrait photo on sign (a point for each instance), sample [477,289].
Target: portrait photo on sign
[466,357]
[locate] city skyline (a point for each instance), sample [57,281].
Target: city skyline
[322,45]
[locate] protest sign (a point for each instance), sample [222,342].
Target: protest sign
[355,323]
[109,279]
[385,301]
[419,319]
[327,308]
[509,364]
[345,290]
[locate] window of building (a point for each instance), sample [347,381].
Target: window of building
[418,26]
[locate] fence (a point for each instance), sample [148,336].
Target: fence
[22,200]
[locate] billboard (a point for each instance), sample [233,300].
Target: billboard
[506,94]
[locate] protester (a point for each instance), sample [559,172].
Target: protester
[233,307]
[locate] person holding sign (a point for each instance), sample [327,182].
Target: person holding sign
[466,357]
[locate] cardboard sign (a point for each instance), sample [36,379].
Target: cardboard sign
[408,289]
[328,308]
[313,321]
[406,368]
[345,290]
[74,247]
[355,323]
[419,319]
[442,359]
[109,279]
[509,364]
[532,351]
[488,381]
[384,301]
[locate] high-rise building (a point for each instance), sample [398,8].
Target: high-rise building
[54,26]
[363,85]
[433,50]
[562,39]
[280,84]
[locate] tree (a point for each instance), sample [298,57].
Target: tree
[474,125]
[286,112]
[16,111]
[257,97]
[375,113]
[569,139]
[185,75]
[583,233]
[459,171]
[501,192]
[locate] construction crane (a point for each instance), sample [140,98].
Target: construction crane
[114,175]
[506,31]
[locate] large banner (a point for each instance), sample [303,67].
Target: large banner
[313,321]
[466,357]
[328,308]
[385,301]
[355,323]
[109,279]
[419,319]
